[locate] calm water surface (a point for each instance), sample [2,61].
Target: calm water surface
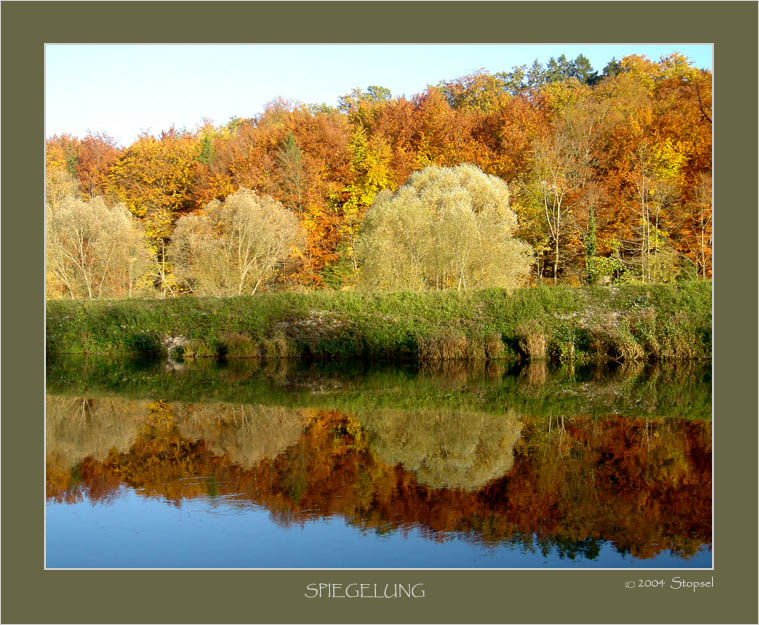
[283,466]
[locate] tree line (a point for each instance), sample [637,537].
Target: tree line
[593,177]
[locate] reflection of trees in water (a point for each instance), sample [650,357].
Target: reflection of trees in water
[247,434]
[83,434]
[645,481]
[567,483]
[444,449]
[76,428]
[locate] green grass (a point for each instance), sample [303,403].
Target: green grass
[570,323]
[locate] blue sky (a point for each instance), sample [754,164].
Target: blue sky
[124,89]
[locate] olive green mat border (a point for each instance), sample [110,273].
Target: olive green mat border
[30,594]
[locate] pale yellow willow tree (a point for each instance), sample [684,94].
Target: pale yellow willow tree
[94,250]
[234,246]
[447,228]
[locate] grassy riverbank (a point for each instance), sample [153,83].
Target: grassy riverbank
[559,323]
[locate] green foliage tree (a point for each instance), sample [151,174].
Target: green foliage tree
[446,228]
[611,269]
[206,149]
[373,93]
[522,78]
[292,174]
[613,68]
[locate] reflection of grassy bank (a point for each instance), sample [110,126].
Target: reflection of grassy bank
[562,323]
[676,389]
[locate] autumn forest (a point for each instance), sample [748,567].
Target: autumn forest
[604,178]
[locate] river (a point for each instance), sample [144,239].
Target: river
[242,465]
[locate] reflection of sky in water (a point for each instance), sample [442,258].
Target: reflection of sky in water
[223,532]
